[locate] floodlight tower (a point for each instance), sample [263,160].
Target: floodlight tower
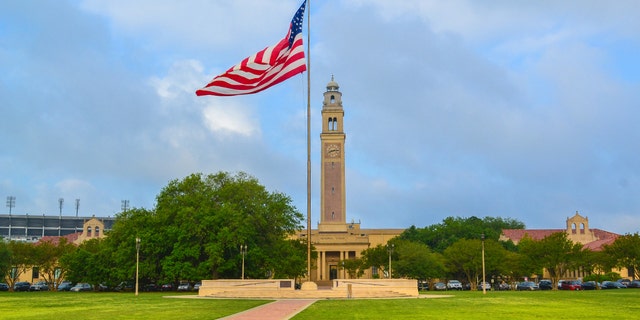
[124,205]
[11,202]
[61,203]
[77,206]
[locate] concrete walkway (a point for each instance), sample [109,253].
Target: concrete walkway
[277,310]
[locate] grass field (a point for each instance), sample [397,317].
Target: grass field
[611,304]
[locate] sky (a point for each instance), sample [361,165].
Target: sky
[515,109]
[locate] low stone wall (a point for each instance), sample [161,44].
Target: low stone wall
[258,286]
[285,288]
[377,287]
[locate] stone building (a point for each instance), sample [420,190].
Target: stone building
[92,228]
[577,230]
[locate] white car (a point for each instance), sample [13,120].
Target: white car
[487,286]
[185,286]
[454,285]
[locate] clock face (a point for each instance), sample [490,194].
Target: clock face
[333,150]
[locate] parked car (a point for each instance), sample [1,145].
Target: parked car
[167,287]
[502,286]
[454,285]
[626,282]
[196,286]
[65,286]
[21,286]
[487,286]
[612,285]
[572,285]
[560,284]
[81,287]
[151,287]
[634,284]
[440,286]
[545,285]
[39,286]
[125,286]
[590,285]
[527,286]
[185,286]
[102,287]
[4,286]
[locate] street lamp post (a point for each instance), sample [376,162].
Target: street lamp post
[484,289]
[137,262]
[243,250]
[390,250]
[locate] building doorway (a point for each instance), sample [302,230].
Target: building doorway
[333,272]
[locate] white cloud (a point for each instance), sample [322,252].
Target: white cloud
[230,118]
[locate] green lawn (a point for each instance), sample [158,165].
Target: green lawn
[610,304]
[98,305]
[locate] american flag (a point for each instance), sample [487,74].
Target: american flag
[266,68]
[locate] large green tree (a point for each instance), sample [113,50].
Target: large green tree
[93,262]
[377,257]
[440,236]
[204,220]
[195,232]
[556,253]
[197,227]
[46,257]
[625,253]
[464,258]
[416,261]
[20,260]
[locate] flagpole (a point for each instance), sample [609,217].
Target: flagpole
[308,140]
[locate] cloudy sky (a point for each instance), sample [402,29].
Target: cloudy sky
[518,109]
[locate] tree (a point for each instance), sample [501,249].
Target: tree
[117,251]
[555,253]
[515,266]
[204,220]
[416,261]
[195,231]
[92,262]
[625,253]
[5,259]
[354,267]
[46,257]
[440,236]
[20,260]
[377,257]
[464,257]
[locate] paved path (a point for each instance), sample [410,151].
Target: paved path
[277,310]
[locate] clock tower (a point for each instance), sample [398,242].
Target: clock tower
[332,178]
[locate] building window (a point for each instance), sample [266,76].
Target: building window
[332,123]
[89,232]
[35,273]
[97,231]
